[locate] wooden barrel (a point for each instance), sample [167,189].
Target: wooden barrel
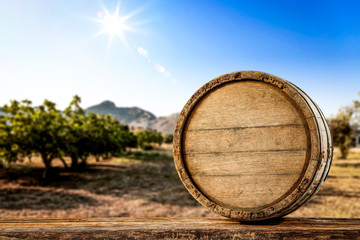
[250,146]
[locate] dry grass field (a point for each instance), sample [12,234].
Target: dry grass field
[339,197]
[146,185]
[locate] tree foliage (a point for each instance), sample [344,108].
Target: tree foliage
[168,137]
[356,113]
[50,133]
[343,126]
[341,130]
[148,136]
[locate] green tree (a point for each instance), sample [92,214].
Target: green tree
[25,129]
[76,140]
[168,137]
[356,114]
[8,147]
[48,134]
[53,134]
[16,131]
[341,130]
[112,136]
[148,136]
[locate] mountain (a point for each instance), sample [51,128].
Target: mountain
[165,124]
[136,117]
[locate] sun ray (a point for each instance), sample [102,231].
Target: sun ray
[136,11]
[117,9]
[105,9]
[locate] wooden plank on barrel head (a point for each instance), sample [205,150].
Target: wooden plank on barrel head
[290,137]
[244,192]
[244,104]
[246,163]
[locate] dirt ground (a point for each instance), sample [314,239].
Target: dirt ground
[339,197]
[146,185]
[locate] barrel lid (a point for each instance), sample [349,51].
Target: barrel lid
[247,146]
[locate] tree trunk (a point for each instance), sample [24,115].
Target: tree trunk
[107,156]
[74,161]
[63,161]
[345,147]
[21,157]
[83,161]
[47,162]
[29,157]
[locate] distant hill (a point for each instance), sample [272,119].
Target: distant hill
[136,117]
[165,124]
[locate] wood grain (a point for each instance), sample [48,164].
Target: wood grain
[249,145]
[267,138]
[178,228]
[245,104]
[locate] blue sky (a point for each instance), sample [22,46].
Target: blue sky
[49,49]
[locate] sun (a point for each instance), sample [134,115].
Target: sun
[113,24]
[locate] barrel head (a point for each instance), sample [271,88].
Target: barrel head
[250,146]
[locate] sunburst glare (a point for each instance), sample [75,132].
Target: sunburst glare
[113,24]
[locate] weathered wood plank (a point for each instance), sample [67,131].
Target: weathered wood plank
[245,104]
[246,191]
[246,163]
[178,228]
[290,137]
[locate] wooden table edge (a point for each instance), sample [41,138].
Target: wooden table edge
[178,228]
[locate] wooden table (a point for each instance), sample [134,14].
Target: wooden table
[178,228]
